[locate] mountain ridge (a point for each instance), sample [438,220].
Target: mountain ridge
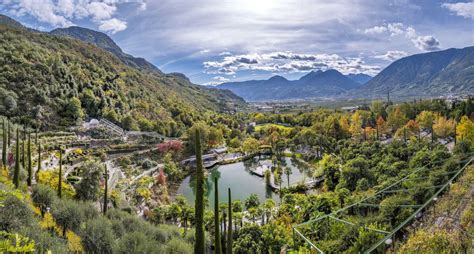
[313,84]
[443,72]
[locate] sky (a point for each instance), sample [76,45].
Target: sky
[215,41]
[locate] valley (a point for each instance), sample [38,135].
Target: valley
[104,152]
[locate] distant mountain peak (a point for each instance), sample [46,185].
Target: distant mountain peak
[277,78]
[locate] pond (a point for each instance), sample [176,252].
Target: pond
[242,182]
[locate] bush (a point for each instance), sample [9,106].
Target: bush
[67,214]
[97,236]
[147,164]
[14,214]
[138,242]
[43,197]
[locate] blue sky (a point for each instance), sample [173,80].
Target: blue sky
[214,41]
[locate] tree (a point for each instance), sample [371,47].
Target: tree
[199,247]
[250,146]
[465,130]
[73,109]
[203,134]
[170,167]
[229,230]
[30,168]
[106,188]
[4,146]
[249,240]
[60,175]
[128,123]
[252,201]
[217,234]
[378,108]
[215,137]
[396,119]
[43,197]
[97,236]
[443,127]
[88,187]
[39,160]
[67,214]
[331,173]
[381,127]
[356,126]
[425,119]
[16,173]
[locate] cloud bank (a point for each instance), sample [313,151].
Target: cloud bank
[63,13]
[423,42]
[288,62]
[465,10]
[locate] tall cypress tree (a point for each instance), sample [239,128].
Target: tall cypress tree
[36,135]
[9,132]
[60,176]
[229,231]
[106,189]
[4,147]
[23,153]
[39,161]
[30,169]
[16,173]
[217,234]
[199,203]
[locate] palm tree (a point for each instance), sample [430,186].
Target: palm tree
[288,172]
[199,247]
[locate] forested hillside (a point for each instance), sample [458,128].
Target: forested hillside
[58,81]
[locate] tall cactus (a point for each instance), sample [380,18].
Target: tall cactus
[229,231]
[106,189]
[199,247]
[30,168]
[217,234]
[16,173]
[60,176]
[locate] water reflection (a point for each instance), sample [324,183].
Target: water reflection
[237,176]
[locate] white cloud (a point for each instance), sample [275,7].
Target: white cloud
[426,43]
[216,81]
[465,10]
[376,30]
[101,11]
[288,62]
[112,25]
[392,55]
[63,13]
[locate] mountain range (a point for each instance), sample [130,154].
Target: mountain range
[315,84]
[43,75]
[446,72]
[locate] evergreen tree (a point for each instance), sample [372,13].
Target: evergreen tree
[30,169]
[9,136]
[229,231]
[16,173]
[4,147]
[23,152]
[106,189]
[199,247]
[60,176]
[217,234]
[39,160]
